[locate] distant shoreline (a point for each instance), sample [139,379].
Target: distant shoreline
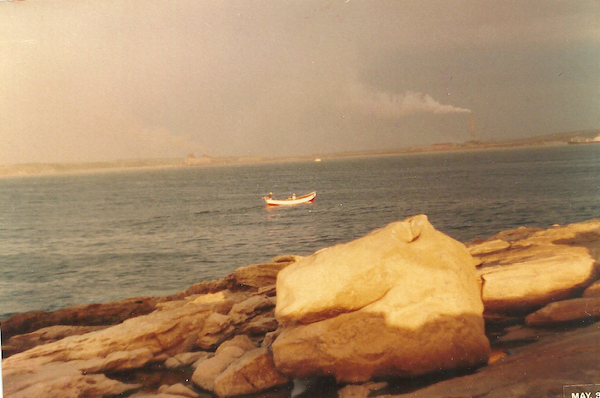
[49,169]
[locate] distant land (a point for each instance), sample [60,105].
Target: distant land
[32,169]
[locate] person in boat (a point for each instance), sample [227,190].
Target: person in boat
[270,195]
[293,196]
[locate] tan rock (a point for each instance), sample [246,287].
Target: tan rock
[209,341]
[178,390]
[403,300]
[251,307]
[583,234]
[287,258]
[23,342]
[535,276]
[346,277]
[112,313]
[116,361]
[520,333]
[517,234]
[593,290]
[102,314]
[488,247]
[186,359]
[269,290]
[565,311]
[253,372]
[270,338]
[200,288]
[129,345]
[208,370]
[59,380]
[216,329]
[162,332]
[220,302]
[541,369]
[215,323]
[496,355]
[544,266]
[259,325]
[165,395]
[240,341]
[360,390]
[259,275]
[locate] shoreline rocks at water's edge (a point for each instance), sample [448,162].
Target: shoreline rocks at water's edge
[227,330]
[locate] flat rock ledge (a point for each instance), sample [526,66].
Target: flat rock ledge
[403,311]
[525,269]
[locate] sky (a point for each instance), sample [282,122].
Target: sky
[125,79]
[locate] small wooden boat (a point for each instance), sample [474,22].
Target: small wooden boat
[292,200]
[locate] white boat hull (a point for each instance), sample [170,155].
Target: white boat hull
[290,201]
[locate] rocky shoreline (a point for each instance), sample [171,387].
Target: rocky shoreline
[403,311]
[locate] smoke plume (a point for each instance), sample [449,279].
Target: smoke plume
[382,104]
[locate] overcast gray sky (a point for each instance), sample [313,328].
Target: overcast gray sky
[103,80]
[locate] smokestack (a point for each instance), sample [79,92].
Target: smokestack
[472,128]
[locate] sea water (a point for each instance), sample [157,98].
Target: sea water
[81,238]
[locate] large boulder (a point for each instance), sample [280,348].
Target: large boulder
[539,267]
[403,300]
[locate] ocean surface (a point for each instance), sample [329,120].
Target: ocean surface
[97,237]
